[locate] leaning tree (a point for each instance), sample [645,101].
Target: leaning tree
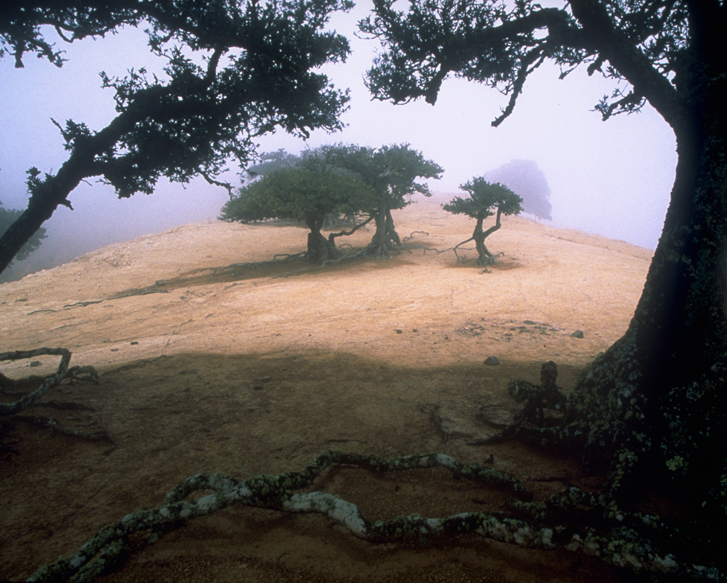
[484,200]
[7,218]
[235,69]
[309,192]
[392,172]
[652,408]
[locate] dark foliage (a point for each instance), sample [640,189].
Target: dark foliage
[257,75]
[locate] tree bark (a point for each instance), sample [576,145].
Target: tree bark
[654,406]
[484,257]
[320,249]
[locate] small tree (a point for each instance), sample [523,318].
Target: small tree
[484,197]
[391,171]
[308,193]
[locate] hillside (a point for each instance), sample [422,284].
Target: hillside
[212,360]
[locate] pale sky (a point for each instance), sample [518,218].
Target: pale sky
[611,178]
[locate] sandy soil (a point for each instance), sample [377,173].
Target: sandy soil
[208,364]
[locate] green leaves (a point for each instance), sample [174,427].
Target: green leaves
[306,193]
[391,171]
[484,200]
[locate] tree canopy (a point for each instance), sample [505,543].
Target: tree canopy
[485,200]
[392,172]
[308,192]
[235,70]
[651,408]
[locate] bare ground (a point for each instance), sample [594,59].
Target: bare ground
[208,364]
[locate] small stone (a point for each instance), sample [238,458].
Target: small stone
[578,334]
[35,363]
[134,343]
[399,331]
[492,361]
[258,387]
[529,322]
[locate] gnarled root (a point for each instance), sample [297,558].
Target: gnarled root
[617,541]
[46,384]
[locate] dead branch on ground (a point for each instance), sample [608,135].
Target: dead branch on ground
[11,410]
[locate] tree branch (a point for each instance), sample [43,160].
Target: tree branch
[623,54]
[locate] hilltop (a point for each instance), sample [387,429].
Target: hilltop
[212,359]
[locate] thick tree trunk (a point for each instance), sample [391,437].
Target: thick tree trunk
[392,237]
[654,407]
[320,249]
[381,241]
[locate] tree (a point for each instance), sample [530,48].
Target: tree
[392,172]
[7,217]
[526,180]
[309,192]
[483,198]
[653,408]
[235,70]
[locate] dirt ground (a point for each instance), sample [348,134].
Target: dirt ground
[208,364]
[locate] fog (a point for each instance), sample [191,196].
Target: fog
[611,178]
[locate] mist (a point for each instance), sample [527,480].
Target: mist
[609,178]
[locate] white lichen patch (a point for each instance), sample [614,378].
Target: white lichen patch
[207,504]
[344,512]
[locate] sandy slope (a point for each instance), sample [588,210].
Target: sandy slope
[210,363]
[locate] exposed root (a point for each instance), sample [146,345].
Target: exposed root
[572,519]
[45,386]
[618,540]
[11,410]
[411,235]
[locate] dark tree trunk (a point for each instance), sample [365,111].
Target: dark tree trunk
[320,249]
[43,202]
[392,237]
[654,406]
[484,257]
[381,241]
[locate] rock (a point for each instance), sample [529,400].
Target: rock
[399,331]
[577,334]
[492,361]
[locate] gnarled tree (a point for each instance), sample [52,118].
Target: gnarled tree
[653,407]
[235,69]
[391,171]
[309,192]
[485,200]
